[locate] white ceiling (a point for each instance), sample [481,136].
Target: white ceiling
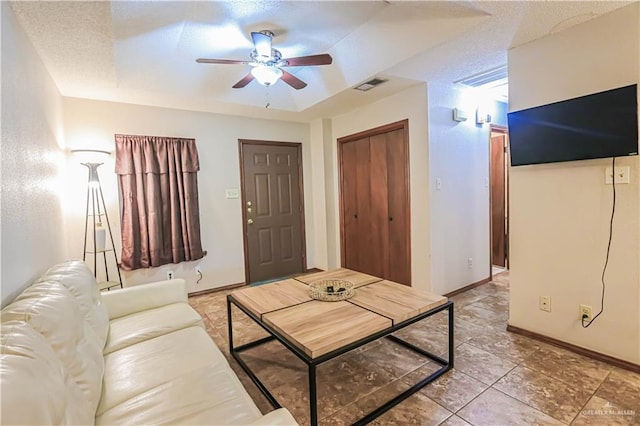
[144,52]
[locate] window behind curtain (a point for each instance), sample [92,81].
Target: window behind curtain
[160,213]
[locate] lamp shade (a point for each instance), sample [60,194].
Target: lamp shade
[266,75]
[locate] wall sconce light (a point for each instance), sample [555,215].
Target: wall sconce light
[482,117]
[459,115]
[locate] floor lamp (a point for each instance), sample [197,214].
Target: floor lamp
[96,210]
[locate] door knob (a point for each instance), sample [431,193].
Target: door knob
[248,209]
[250,221]
[249,204]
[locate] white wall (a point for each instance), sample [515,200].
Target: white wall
[409,104]
[459,158]
[32,223]
[93,124]
[560,212]
[317,136]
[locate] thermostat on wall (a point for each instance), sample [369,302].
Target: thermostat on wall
[459,115]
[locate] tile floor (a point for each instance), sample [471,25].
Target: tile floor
[499,378]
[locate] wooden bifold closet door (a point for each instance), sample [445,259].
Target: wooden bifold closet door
[374,182]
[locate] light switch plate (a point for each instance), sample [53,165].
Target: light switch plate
[622,175]
[232,193]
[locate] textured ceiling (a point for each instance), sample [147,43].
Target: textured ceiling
[144,52]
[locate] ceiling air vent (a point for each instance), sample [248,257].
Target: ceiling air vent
[368,85]
[492,77]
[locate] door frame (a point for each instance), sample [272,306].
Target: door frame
[497,128]
[386,128]
[243,198]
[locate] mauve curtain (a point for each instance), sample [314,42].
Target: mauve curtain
[160,213]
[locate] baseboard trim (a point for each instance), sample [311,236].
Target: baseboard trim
[467,287]
[217,289]
[577,349]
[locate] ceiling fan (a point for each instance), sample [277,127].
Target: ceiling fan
[267,63]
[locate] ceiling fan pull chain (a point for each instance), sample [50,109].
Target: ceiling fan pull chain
[266,96]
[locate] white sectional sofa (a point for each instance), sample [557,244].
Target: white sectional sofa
[140,355]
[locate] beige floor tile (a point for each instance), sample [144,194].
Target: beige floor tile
[453,390]
[621,387]
[479,315]
[454,421]
[394,359]
[551,396]
[480,364]
[435,342]
[495,408]
[417,409]
[599,411]
[573,369]
[467,298]
[505,345]
[499,303]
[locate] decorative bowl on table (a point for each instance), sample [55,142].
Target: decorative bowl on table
[331,290]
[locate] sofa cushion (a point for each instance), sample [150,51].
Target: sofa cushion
[201,395]
[35,387]
[76,277]
[180,377]
[135,328]
[52,311]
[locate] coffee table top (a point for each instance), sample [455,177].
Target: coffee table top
[318,327]
[273,296]
[395,301]
[357,278]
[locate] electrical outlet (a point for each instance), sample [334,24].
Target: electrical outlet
[545,303]
[170,275]
[586,310]
[622,175]
[470,263]
[198,269]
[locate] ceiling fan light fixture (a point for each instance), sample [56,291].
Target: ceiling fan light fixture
[266,74]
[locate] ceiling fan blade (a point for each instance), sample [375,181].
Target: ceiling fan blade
[220,61]
[301,61]
[245,80]
[262,42]
[293,81]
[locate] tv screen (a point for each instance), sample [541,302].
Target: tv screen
[601,125]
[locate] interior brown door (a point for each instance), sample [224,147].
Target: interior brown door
[271,175]
[498,204]
[374,196]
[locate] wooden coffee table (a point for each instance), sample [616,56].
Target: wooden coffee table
[318,331]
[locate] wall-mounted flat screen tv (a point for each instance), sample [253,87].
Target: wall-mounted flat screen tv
[600,125]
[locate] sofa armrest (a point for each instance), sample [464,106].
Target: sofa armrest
[143,297]
[279,417]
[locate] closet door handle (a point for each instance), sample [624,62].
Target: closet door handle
[355,216]
[390,219]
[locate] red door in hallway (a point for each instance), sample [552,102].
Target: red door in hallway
[273,210]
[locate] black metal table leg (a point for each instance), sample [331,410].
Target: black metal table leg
[313,396]
[230,327]
[451,341]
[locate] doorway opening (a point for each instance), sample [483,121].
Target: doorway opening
[499,198]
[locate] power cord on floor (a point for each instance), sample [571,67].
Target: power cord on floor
[199,279]
[606,261]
